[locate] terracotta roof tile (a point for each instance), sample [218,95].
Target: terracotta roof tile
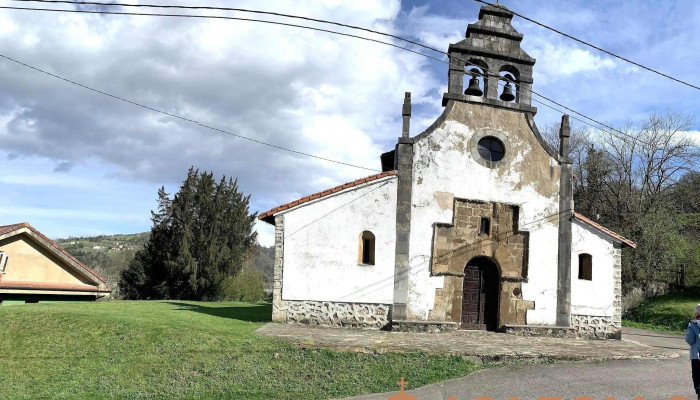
[49,286]
[4,229]
[267,215]
[605,230]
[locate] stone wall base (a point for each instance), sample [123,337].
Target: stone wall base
[596,327]
[328,313]
[423,326]
[540,330]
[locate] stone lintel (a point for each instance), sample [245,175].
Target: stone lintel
[464,49]
[521,107]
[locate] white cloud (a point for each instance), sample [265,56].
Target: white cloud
[436,31]
[317,93]
[559,60]
[336,97]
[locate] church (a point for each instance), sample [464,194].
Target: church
[471,224]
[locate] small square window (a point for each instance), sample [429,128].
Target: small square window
[485,226]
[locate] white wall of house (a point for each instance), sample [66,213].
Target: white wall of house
[594,297]
[444,167]
[321,246]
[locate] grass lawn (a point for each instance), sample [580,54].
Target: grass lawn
[669,313]
[178,349]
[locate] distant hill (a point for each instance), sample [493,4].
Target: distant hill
[108,255]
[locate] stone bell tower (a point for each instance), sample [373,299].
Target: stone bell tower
[491,47]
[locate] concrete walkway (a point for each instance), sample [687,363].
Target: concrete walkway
[487,346]
[658,379]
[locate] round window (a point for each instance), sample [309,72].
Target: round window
[491,149]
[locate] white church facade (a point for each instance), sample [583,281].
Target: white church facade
[470,226]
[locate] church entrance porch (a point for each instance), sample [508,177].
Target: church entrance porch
[480,295]
[483,257]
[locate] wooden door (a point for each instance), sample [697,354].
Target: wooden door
[473,299]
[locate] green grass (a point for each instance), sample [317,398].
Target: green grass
[183,349]
[668,313]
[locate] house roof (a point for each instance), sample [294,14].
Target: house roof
[605,230]
[267,216]
[10,230]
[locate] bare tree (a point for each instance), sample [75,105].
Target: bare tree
[630,183]
[640,173]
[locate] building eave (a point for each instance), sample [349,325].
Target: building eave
[269,216]
[615,236]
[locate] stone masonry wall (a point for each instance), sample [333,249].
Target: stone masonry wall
[617,301]
[595,327]
[279,306]
[326,313]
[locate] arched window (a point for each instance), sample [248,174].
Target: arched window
[510,77]
[585,267]
[475,82]
[366,255]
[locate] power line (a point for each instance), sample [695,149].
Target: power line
[314,29]
[595,47]
[247,10]
[619,132]
[221,17]
[318,29]
[183,118]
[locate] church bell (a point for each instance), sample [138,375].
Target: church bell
[507,94]
[474,89]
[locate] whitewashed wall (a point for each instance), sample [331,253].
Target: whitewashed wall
[444,165]
[321,244]
[594,297]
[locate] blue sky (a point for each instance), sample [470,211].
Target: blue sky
[76,163]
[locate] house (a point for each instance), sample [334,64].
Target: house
[35,269]
[470,225]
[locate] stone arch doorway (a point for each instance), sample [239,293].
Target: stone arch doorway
[480,294]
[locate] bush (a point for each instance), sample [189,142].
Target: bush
[246,286]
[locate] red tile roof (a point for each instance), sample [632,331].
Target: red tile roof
[49,286]
[605,230]
[267,215]
[5,229]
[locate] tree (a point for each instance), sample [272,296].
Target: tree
[645,185]
[199,238]
[246,286]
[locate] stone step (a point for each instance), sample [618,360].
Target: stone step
[540,330]
[423,326]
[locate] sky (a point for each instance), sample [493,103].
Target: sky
[77,163]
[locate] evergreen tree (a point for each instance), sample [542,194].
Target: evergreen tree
[199,238]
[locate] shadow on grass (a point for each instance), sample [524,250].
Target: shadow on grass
[243,312]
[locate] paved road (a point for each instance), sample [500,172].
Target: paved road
[649,379]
